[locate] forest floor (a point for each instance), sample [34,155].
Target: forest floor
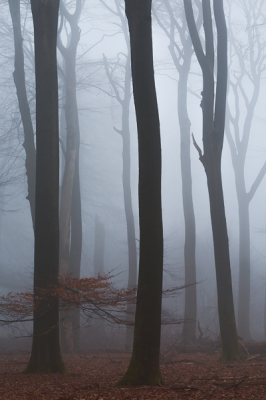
[93,376]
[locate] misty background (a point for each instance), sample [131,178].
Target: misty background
[101,163]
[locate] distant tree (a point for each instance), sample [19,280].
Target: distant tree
[45,354]
[20,83]
[99,245]
[213,108]
[98,261]
[70,207]
[247,63]
[144,366]
[170,17]
[72,128]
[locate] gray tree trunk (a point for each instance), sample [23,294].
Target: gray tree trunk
[144,366]
[19,80]
[45,355]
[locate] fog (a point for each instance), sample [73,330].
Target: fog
[101,166]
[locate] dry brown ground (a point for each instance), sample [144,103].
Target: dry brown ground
[93,376]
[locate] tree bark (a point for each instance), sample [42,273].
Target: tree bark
[144,365]
[45,355]
[20,83]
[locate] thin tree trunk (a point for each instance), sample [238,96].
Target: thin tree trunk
[72,126]
[144,366]
[99,237]
[98,261]
[20,83]
[131,239]
[230,345]
[45,354]
[190,315]
[70,195]
[181,57]
[244,270]
[75,250]
[126,174]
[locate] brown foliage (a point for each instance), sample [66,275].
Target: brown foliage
[92,295]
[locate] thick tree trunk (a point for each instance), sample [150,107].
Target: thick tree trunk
[45,355]
[144,365]
[19,80]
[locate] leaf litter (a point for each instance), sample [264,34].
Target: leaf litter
[94,375]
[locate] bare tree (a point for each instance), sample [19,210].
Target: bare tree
[247,63]
[213,108]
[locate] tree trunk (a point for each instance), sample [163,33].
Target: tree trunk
[126,174]
[244,268]
[190,315]
[75,250]
[45,354]
[230,344]
[72,126]
[131,239]
[99,237]
[181,57]
[19,80]
[144,365]
[99,247]
[70,197]
[213,107]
